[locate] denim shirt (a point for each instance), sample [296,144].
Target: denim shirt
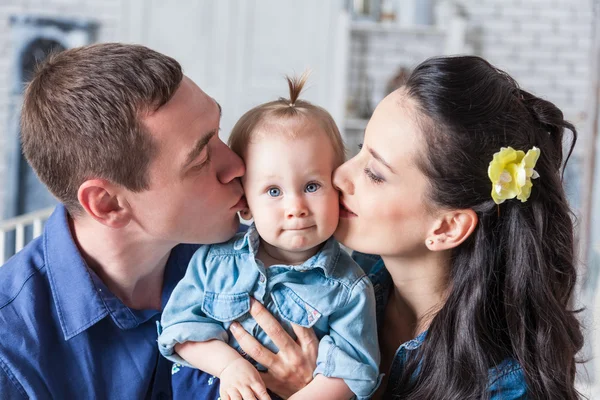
[506,380]
[329,292]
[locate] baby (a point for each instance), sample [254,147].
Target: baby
[287,260]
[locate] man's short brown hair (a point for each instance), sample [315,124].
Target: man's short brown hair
[81,116]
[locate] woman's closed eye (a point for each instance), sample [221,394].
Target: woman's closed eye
[369,172]
[372,176]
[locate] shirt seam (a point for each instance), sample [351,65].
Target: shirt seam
[63,323]
[329,365]
[364,278]
[12,378]
[52,286]
[21,288]
[506,373]
[108,310]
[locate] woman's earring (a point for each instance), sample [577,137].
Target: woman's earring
[430,242]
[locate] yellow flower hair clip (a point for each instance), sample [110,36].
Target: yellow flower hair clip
[511,172]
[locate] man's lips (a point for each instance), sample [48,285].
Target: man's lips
[345,212]
[241,204]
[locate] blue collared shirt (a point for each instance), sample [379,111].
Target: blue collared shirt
[506,380]
[328,292]
[66,336]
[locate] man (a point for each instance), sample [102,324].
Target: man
[130,147]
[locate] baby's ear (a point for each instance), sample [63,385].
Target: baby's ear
[246,214]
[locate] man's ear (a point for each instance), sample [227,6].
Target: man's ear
[102,200]
[246,214]
[451,229]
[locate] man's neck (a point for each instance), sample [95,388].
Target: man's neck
[420,287]
[131,266]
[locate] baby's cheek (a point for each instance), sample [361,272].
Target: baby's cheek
[332,212]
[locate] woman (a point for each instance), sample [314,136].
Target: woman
[458,187]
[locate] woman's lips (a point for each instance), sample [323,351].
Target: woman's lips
[345,212]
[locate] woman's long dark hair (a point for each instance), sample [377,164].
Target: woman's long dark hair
[512,279]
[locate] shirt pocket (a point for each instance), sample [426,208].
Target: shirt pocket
[225,307]
[293,308]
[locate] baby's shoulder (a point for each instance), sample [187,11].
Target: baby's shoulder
[234,246]
[346,270]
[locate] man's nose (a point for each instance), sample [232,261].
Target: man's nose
[231,165]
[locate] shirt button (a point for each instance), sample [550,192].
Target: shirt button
[262,279]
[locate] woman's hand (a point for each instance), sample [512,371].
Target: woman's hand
[292,368]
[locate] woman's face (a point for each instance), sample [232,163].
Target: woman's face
[382,200]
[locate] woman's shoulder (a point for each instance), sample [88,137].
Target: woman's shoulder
[368,262]
[507,381]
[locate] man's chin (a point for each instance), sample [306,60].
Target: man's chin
[227,232]
[219,234]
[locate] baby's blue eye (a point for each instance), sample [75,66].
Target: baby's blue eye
[274,192]
[312,187]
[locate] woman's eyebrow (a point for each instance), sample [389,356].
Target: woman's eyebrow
[381,160]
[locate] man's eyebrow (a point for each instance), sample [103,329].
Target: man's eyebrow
[198,147]
[381,160]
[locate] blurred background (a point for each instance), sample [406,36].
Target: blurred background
[238,51]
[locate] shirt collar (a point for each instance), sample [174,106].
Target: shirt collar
[70,280]
[81,298]
[325,259]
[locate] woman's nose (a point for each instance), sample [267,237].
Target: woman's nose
[341,178]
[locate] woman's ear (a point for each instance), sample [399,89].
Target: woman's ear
[451,229]
[246,214]
[103,202]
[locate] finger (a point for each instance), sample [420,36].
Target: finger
[251,346]
[223,395]
[271,326]
[247,393]
[306,336]
[234,394]
[260,391]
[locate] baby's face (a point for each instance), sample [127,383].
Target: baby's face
[289,189]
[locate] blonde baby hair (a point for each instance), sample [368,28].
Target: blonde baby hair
[286,110]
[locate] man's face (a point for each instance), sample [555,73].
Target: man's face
[195,191]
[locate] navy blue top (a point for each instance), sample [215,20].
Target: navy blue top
[65,335]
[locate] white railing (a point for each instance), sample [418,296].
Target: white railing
[18,225]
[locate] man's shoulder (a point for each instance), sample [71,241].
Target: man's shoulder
[184,252]
[21,273]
